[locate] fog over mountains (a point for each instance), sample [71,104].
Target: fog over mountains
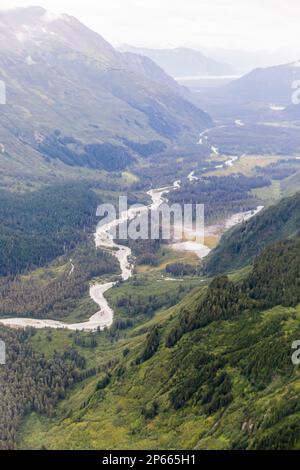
[183,61]
[270,84]
[67,88]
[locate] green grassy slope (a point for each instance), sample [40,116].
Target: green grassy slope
[227,381]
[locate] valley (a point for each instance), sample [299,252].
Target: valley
[136,314]
[147,303]
[104,239]
[203,399]
[118,342]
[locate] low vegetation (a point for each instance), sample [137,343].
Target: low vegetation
[213,372]
[240,246]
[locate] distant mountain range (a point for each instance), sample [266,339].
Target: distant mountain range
[72,97]
[183,61]
[262,95]
[267,85]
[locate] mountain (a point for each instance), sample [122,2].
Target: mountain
[241,245]
[214,372]
[142,65]
[72,98]
[182,61]
[292,113]
[271,85]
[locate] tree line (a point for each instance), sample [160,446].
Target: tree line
[30,382]
[37,227]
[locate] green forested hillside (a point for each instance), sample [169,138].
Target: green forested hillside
[199,354]
[39,226]
[240,246]
[275,277]
[214,372]
[31,382]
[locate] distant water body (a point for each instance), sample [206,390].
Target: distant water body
[204,81]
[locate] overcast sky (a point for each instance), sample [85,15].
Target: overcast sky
[255,26]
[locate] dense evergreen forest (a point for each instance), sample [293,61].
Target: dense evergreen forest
[181,269]
[274,280]
[37,227]
[50,226]
[144,251]
[58,295]
[30,382]
[200,378]
[72,152]
[222,196]
[212,355]
[218,367]
[279,170]
[240,246]
[152,147]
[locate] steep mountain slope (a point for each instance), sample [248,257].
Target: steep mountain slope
[215,372]
[263,96]
[292,112]
[143,65]
[69,93]
[182,61]
[240,246]
[272,85]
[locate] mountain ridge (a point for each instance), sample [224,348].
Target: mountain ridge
[270,85]
[226,381]
[62,78]
[242,244]
[183,61]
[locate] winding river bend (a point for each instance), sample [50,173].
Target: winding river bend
[103,318]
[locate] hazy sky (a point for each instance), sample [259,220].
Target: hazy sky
[271,26]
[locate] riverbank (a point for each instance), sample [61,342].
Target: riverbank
[103,318]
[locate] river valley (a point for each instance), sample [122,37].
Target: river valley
[103,318]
